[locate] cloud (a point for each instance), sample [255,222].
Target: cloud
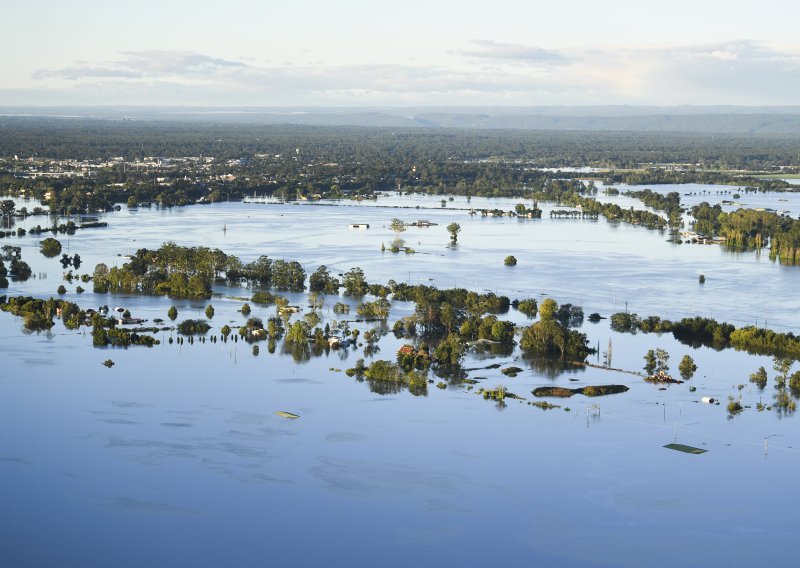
[488,73]
[168,62]
[142,65]
[492,50]
[742,72]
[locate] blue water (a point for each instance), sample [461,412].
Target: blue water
[175,455]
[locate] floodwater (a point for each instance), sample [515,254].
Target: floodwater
[787,203]
[596,264]
[175,455]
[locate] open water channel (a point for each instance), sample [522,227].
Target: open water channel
[175,456]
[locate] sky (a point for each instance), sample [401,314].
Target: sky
[410,53]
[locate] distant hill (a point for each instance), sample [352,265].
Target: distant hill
[700,119]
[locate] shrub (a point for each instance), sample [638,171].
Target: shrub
[193,327]
[263,298]
[50,247]
[759,378]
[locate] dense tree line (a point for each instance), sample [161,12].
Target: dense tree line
[39,314]
[669,203]
[295,161]
[751,229]
[103,336]
[551,336]
[189,272]
[92,138]
[701,331]
[656,176]
[581,195]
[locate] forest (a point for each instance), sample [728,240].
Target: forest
[96,138]
[85,165]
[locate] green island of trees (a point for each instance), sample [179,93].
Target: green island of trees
[193,327]
[550,337]
[38,314]
[189,272]
[751,229]
[50,247]
[700,331]
[669,204]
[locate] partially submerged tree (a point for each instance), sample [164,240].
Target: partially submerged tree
[454,229]
[50,247]
[656,362]
[548,309]
[354,283]
[397,225]
[687,367]
[759,378]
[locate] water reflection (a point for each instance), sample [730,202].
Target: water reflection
[385,387]
[300,352]
[242,460]
[490,350]
[553,368]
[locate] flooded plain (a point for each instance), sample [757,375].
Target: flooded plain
[176,454]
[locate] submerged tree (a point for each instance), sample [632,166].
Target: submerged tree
[528,307]
[782,366]
[655,362]
[193,327]
[687,367]
[397,225]
[548,309]
[354,283]
[448,354]
[322,281]
[50,247]
[7,207]
[759,378]
[549,338]
[298,333]
[3,274]
[784,402]
[19,270]
[608,355]
[454,229]
[651,362]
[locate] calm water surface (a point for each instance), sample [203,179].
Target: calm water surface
[176,456]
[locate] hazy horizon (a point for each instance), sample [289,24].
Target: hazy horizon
[774,120]
[418,54]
